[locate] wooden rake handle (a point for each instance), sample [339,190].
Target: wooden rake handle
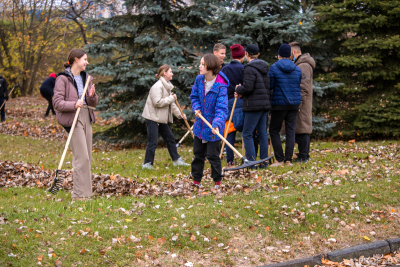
[227,129]
[8,96]
[73,124]
[186,134]
[220,136]
[186,122]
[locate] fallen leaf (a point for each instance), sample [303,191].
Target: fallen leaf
[161,241]
[327,262]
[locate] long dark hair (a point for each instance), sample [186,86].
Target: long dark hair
[74,53]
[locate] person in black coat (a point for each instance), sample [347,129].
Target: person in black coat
[3,97]
[234,73]
[47,91]
[256,102]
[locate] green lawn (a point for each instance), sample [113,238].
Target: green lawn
[346,195]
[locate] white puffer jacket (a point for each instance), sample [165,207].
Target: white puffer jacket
[160,104]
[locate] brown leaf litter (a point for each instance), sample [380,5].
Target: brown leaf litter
[19,174]
[376,260]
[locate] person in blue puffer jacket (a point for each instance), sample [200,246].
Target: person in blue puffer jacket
[210,99]
[285,79]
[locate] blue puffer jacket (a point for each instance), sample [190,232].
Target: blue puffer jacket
[213,106]
[285,79]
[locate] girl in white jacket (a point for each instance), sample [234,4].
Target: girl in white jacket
[160,105]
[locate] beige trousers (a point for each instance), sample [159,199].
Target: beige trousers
[81,146]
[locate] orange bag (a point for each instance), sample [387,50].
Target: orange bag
[231,127]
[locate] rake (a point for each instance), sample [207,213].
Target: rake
[183,138]
[227,129]
[246,163]
[60,174]
[8,96]
[186,122]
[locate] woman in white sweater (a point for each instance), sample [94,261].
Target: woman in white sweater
[160,105]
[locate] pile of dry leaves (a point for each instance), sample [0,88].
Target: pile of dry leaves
[51,131]
[18,174]
[376,260]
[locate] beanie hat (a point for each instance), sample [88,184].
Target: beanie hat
[285,50]
[237,51]
[53,75]
[252,49]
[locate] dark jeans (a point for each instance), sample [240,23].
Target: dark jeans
[229,152]
[49,99]
[255,121]
[303,140]
[152,133]
[3,109]
[256,141]
[277,118]
[209,150]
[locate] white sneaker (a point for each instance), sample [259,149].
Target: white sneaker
[180,162]
[147,166]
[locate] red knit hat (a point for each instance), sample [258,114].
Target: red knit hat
[237,51]
[53,75]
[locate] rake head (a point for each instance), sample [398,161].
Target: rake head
[58,181]
[248,164]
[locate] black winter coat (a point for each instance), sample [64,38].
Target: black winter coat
[48,86]
[3,88]
[255,89]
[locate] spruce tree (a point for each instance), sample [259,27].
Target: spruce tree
[365,37]
[134,45]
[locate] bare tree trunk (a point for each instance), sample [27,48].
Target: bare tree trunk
[82,30]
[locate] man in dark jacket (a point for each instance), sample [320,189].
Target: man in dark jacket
[285,78]
[47,91]
[304,118]
[256,102]
[234,73]
[3,97]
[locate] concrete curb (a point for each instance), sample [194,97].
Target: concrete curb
[394,244]
[366,250]
[311,261]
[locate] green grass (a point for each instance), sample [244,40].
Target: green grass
[232,220]
[255,228]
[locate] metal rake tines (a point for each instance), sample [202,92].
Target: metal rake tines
[249,163]
[58,181]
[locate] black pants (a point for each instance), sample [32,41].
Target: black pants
[209,150]
[303,140]
[152,133]
[3,109]
[49,99]
[277,117]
